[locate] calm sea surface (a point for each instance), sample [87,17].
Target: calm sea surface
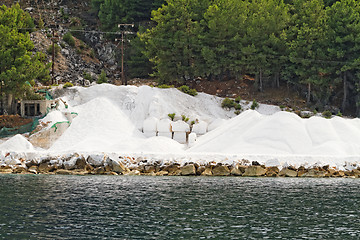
[138,207]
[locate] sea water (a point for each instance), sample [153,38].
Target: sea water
[140,207]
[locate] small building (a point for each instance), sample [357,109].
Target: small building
[34,108]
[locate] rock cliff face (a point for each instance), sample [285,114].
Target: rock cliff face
[91,54]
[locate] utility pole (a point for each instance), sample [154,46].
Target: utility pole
[53,38]
[123,32]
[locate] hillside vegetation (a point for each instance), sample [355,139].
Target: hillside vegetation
[308,46]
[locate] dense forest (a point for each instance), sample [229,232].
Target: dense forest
[310,45]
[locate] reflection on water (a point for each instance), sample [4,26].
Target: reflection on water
[139,207]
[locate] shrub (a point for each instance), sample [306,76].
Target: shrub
[82,45]
[184,118]
[31,95]
[68,84]
[171,116]
[237,107]
[237,112]
[49,50]
[339,114]
[40,23]
[192,92]
[63,15]
[165,86]
[102,78]
[227,103]
[75,21]
[69,39]
[306,115]
[238,99]
[187,90]
[326,114]
[87,76]
[282,107]
[92,53]
[254,105]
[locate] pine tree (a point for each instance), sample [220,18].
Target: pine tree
[17,62]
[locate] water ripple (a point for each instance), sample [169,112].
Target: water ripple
[139,207]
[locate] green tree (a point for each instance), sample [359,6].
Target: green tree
[173,44]
[224,27]
[265,40]
[307,48]
[17,62]
[344,48]
[113,12]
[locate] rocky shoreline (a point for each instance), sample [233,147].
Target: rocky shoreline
[102,164]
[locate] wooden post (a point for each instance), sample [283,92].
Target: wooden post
[122,60]
[123,76]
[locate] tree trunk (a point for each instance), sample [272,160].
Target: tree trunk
[309,93]
[10,104]
[260,81]
[277,79]
[343,106]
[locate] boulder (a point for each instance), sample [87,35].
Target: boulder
[6,169]
[286,172]
[356,172]
[200,170]
[236,171]
[172,168]
[96,160]
[33,169]
[254,171]
[99,171]
[188,170]
[19,169]
[63,172]
[272,171]
[162,173]
[119,167]
[31,163]
[314,173]
[71,163]
[11,161]
[45,167]
[132,173]
[80,163]
[221,171]
[330,172]
[207,172]
[149,169]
